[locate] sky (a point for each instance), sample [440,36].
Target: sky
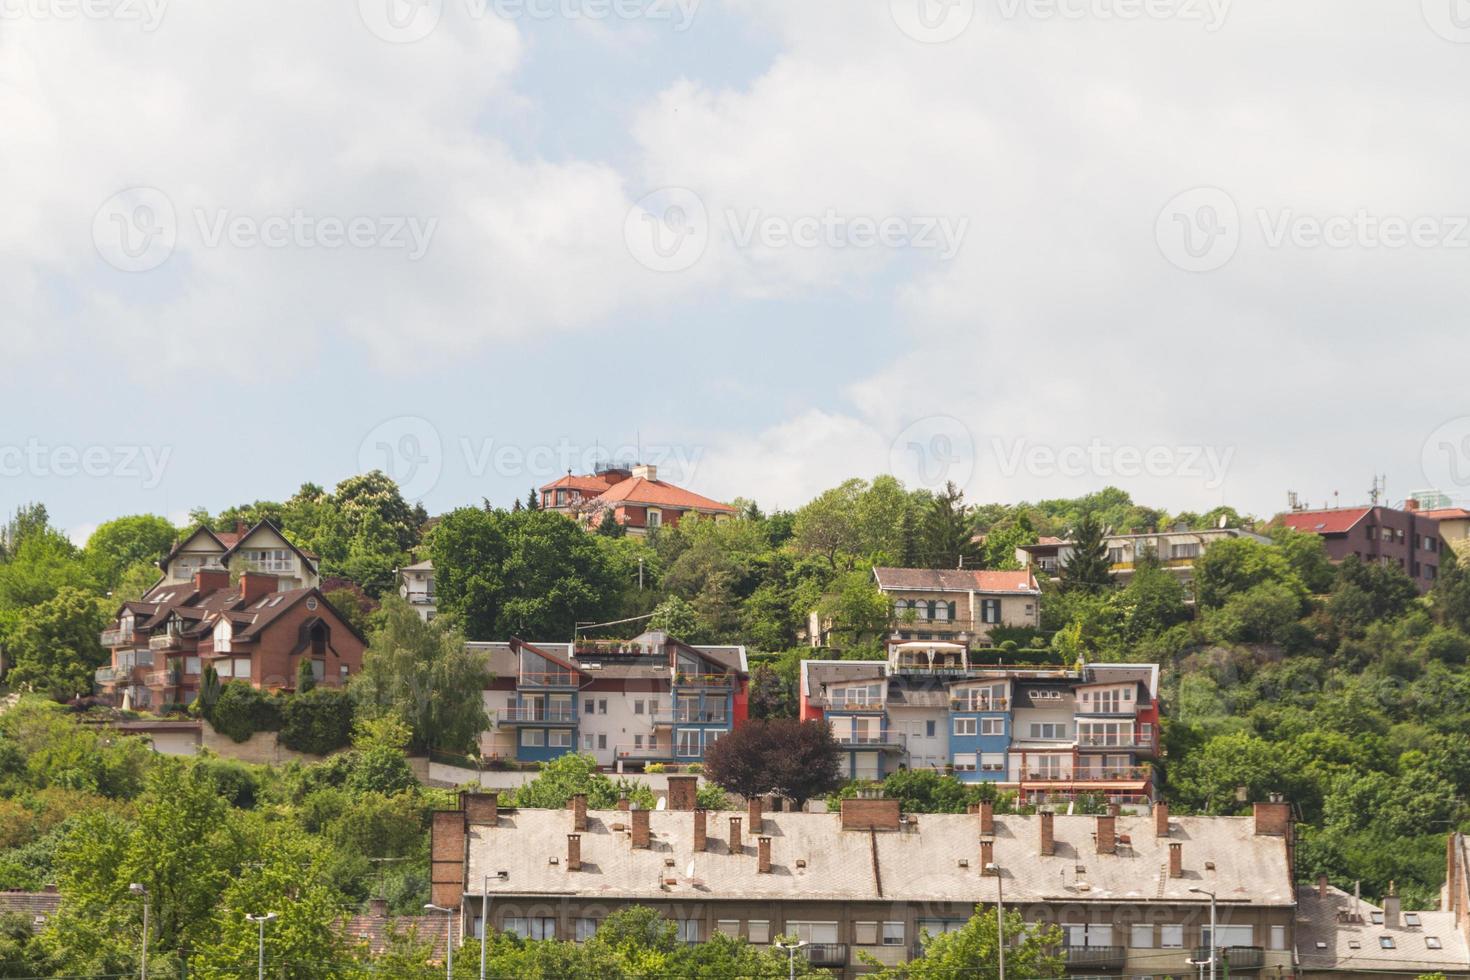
[1209,251]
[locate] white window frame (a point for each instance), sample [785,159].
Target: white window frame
[966,726]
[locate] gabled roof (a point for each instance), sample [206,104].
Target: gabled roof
[234,546]
[1446,514]
[185,541]
[639,492]
[594,483]
[1338,933]
[1339,520]
[955,580]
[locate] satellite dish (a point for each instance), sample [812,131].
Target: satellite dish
[662,804]
[1224,521]
[689,871]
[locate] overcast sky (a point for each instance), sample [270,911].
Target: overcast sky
[1208,251]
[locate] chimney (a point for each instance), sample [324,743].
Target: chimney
[255,586]
[987,818]
[683,792]
[211,580]
[700,842]
[624,804]
[1273,819]
[480,808]
[1048,841]
[1107,834]
[736,845]
[646,471]
[987,856]
[1176,859]
[763,856]
[240,529]
[579,812]
[1411,505]
[574,852]
[640,829]
[1161,819]
[1321,886]
[1391,908]
[378,908]
[870,814]
[753,811]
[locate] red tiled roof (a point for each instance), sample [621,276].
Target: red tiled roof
[36,906]
[595,483]
[638,491]
[375,930]
[1336,521]
[1446,514]
[954,580]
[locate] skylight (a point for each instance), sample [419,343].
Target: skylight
[1378,918]
[1411,919]
[1386,942]
[1433,942]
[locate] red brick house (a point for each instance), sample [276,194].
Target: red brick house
[250,631]
[638,499]
[1407,539]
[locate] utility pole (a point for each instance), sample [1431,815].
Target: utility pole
[137,889]
[1000,918]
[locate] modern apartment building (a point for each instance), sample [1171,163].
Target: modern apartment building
[626,704]
[1129,893]
[250,631]
[416,587]
[1406,539]
[1176,550]
[262,548]
[1048,733]
[957,605]
[637,498]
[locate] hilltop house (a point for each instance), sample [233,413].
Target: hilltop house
[637,498]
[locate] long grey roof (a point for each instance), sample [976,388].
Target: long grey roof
[1338,932]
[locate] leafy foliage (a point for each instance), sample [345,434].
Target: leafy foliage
[793,759]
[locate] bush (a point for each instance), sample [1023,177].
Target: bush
[232,780]
[318,721]
[241,711]
[654,768]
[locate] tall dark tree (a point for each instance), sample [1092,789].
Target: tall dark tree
[793,759]
[609,527]
[948,539]
[1086,569]
[908,534]
[533,500]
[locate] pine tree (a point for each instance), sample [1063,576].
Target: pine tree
[948,539]
[908,531]
[1086,568]
[305,678]
[609,527]
[533,501]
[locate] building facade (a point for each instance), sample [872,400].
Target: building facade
[957,605]
[416,587]
[1128,893]
[653,699]
[636,497]
[1405,539]
[1047,733]
[1175,550]
[262,548]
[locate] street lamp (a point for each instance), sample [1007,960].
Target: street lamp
[1000,916]
[139,890]
[260,920]
[1205,891]
[791,949]
[448,937]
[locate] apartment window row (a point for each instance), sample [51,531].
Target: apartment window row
[551,738]
[931,609]
[981,761]
[1149,936]
[979,726]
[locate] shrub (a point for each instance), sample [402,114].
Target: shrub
[318,721]
[241,711]
[232,780]
[654,768]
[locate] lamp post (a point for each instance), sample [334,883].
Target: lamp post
[1000,917]
[484,923]
[260,920]
[790,949]
[448,937]
[137,889]
[1204,891]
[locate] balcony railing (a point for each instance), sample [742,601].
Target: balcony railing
[546,716]
[993,704]
[1096,957]
[117,637]
[163,678]
[166,642]
[546,678]
[691,717]
[704,680]
[868,739]
[827,954]
[1239,957]
[1123,740]
[1089,775]
[662,752]
[105,675]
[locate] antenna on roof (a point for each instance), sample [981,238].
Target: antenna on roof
[1380,489]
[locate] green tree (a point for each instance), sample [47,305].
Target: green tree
[675,617]
[305,676]
[55,644]
[1032,951]
[119,544]
[567,775]
[1237,565]
[1086,568]
[948,536]
[609,527]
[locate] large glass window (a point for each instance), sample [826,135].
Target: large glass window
[687,742]
[533,927]
[533,738]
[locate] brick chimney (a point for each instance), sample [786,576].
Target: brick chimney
[378,908]
[1391,907]
[1273,819]
[1048,840]
[1411,505]
[1321,886]
[683,792]
[987,855]
[736,843]
[987,818]
[480,808]
[1107,834]
[574,852]
[763,856]
[646,471]
[1176,859]
[700,831]
[641,835]
[870,814]
[753,811]
[624,804]
[211,580]
[1161,819]
[255,586]
[579,812]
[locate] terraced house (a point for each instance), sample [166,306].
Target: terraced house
[653,699]
[1046,732]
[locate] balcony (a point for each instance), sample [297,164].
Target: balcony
[721,681]
[1095,957]
[106,675]
[166,642]
[528,714]
[420,598]
[645,753]
[1246,958]
[546,678]
[118,637]
[993,704]
[1123,740]
[827,954]
[867,740]
[1120,773]
[692,717]
[163,678]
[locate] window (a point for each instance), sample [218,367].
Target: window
[1386,942]
[865,933]
[964,763]
[1141,936]
[637,741]
[993,762]
[1179,551]
[1115,556]
[589,707]
[602,740]
[1171,937]
[533,738]
[1433,942]
[1278,937]
[992,726]
[589,741]
[688,930]
[602,706]
[535,927]
[586,929]
[990,611]
[1049,729]
[812,932]
[687,742]
[559,738]
[929,729]
[1229,936]
[656,519]
[759,930]
[728,927]
[965,726]
[191,665]
[1377,918]
[1089,935]
[893,934]
[638,707]
[1412,920]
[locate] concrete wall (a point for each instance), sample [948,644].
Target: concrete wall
[262,748]
[441,775]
